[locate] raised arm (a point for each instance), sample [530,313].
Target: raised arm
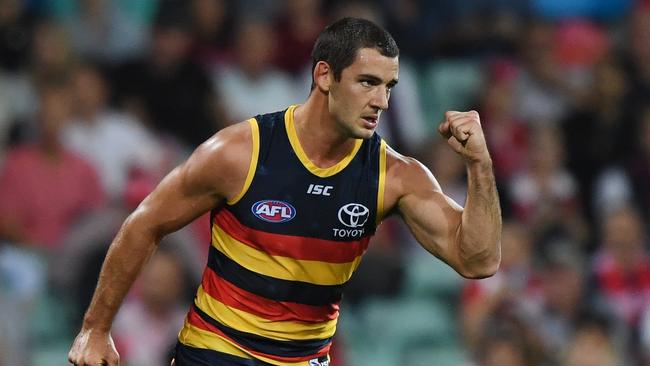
[214,173]
[469,238]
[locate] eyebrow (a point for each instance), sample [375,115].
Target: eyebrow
[378,80]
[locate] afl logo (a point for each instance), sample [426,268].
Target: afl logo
[273,211]
[353,215]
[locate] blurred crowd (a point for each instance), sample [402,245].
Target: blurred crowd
[100,99]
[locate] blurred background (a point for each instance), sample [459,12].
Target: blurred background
[99,99]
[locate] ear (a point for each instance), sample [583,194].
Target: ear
[323,76]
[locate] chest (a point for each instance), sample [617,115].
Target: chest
[291,202]
[288,197]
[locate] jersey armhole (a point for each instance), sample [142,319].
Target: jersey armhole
[252,167]
[382,182]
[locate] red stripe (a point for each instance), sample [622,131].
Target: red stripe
[240,299]
[296,247]
[195,319]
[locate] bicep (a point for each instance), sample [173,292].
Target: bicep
[214,173]
[433,218]
[176,202]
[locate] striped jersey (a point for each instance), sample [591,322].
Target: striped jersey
[283,250]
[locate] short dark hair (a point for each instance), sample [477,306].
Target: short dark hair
[339,42]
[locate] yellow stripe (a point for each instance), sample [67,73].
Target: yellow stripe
[297,148]
[195,337]
[382,182]
[255,137]
[315,272]
[249,323]
[198,338]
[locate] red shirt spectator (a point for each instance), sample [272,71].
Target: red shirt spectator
[40,196]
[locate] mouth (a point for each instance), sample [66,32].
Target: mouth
[370,121]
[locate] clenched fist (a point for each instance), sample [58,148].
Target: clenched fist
[92,348]
[464,134]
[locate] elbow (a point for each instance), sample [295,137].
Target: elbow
[137,227]
[480,272]
[484,268]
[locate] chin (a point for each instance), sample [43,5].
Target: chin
[368,134]
[365,134]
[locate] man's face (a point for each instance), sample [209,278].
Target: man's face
[356,101]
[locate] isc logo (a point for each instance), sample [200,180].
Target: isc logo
[318,189]
[273,211]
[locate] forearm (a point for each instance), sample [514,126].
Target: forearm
[479,235]
[126,256]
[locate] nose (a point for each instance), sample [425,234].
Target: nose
[380,98]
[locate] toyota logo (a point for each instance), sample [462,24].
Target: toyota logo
[353,215]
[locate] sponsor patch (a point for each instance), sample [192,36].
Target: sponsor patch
[273,211]
[353,215]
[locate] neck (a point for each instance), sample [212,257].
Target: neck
[324,143]
[88,116]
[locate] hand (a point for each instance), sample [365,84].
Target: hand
[93,348]
[464,134]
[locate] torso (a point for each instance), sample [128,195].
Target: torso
[284,246]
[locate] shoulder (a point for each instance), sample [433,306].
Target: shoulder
[229,142]
[405,170]
[405,175]
[222,161]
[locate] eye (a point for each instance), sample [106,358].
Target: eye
[366,83]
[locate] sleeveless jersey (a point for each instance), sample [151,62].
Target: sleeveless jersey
[283,250]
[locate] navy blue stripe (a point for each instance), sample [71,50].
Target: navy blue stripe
[270,287]
[297,348]
[191,356]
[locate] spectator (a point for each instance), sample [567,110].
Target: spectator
[212,23]
[545,194]
[52,54]
[116,144]
[507,342]
[506,134]
[621,267]
[542,93]
[515,289]
[297,30]
[252,83]
[564,298]
[146,326]
[592,345]
[44,187]
[51,58]
[594,133]
[165,88]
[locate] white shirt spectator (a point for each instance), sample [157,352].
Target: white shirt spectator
[115,144]
[245,97]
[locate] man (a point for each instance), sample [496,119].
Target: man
[295,197]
